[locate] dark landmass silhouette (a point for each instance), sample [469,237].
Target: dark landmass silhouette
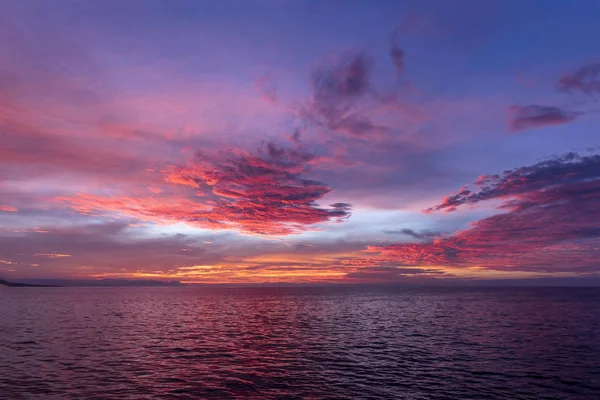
[16,284]
[100,282]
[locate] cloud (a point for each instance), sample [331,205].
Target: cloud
[154,209]
[551,222]
[30,151]
[392,274]
[586,79]
[51,255]
[265,193]
[534,116]
[564,170]
[425,234]
[108,137]
[267,89]
[65,108]
[121,250]
[396,53]
[357,125]
[346,80]
[338,86]
[87,250]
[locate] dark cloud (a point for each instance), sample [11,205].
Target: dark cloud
[338,87]
[344,99]
[348,79]
[586,79]
[425,234]
[342,206]
[551,223]
[396,53]
[564,170]
[535,116]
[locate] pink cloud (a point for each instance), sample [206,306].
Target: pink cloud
[551,223]
[264,193]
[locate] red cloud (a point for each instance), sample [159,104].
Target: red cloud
[265,193]
[154,209]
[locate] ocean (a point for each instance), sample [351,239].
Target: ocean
[337,342]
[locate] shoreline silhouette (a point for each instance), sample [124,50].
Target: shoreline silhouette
[4,282]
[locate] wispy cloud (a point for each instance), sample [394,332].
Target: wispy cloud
[396,52]
[52,255]
[337,86]
[585,79]
[393,274]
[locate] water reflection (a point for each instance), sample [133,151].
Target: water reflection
[262,343]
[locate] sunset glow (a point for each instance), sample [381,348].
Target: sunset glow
[271,141]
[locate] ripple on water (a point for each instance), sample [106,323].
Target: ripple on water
[304,343]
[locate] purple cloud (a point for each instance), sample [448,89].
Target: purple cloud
[534,116]
[397,54]
[420,235]
[585,80]
[565,170]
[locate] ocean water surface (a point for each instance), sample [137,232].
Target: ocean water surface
[300,343]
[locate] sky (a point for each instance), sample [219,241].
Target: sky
[299,141]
